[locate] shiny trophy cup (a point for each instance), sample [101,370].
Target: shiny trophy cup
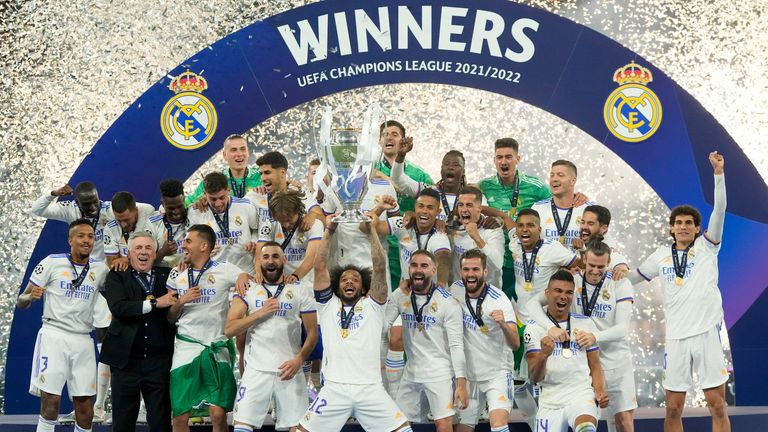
[347,157]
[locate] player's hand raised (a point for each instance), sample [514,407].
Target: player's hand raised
[406,145]
[717,161]
[37,293]
[62,191]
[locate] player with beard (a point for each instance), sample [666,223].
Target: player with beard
[569,372]
[476,234]
[594,226]
[64,351]
[272,315]
[561,214]
[693,306]
[351,306]
[241,178]
[434,343]
[171,226]
[128,219]
[608,303]
[490,334]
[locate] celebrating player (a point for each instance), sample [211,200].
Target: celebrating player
[128,219]
[594,225]
[170,227]
[476,234]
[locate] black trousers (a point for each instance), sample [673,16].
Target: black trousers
[149,378]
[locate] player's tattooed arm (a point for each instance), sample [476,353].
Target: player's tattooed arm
[30,295]
[322,275]
[379,289]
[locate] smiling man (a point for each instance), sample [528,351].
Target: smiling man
[129,218]
[170,227]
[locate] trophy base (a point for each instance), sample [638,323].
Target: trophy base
[351,216]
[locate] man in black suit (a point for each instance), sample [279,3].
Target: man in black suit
[139,342]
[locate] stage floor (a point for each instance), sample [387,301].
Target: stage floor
[646,420]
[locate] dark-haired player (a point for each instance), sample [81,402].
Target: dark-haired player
[128,219]
[170,227]
[594,226]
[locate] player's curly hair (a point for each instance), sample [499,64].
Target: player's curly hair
[288,201]
[365,275]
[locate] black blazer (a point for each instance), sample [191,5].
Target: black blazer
[125,298]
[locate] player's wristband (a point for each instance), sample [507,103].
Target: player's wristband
[296,276]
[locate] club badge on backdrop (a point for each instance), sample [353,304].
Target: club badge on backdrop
[188,119]
[632,112]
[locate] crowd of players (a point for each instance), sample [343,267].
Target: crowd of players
[495,292]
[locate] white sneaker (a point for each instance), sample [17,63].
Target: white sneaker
[99,415]
[67,418]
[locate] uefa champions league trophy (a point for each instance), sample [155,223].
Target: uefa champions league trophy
[347,157]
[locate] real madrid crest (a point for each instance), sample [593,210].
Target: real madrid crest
[188,119]
[238,221]
[358,309]
[433,307]
[289,294]
[606,295]
[91,277]
[632,112]
[211,279]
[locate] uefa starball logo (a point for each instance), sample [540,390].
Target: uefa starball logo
[632,112]
[188,120]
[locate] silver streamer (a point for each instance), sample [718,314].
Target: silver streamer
[68,70]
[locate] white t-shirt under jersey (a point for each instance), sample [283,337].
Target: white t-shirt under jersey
[65,307]
[549,227]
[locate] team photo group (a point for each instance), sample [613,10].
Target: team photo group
[263,298]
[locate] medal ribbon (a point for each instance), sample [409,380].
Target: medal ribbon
[530,266]
[277,291]
[169,229]
[567,329]
[223,222]
[590,306]
[418,238]
[94,220]
[446,207]
[515,190]
[680,264]
[418,313]
[146,285]
[290,234]
[238,190]
[191,276]
[478,312]
[79,278]
[561,228]
[346,318]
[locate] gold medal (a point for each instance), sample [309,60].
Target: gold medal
[512,212]
[484,329]
[562,240]
[149,297]
[678,281]
[344,333]
[421,326]
[567,353]
[528,286]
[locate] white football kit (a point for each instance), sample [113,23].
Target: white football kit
[409,241]
[549,225]
[164,230]
[294,244]
[493,250]
[116,241]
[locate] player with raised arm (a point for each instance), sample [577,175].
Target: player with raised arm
[569,373]
[608,303]
[271,314]
[350,307]
[476,234]
[490,334]
[693,306]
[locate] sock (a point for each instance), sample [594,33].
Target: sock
[242,428]
[394,368]
[317,380]
[306,367]
[44,425]
[405,429]
[105,375]
[81,429]
[525,402]
[500,429]
[585,427]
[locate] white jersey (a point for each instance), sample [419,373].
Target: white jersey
[564,377]
[115,242]
[65,307]
[296,248]
[203,319]
[484,350]
[695,306]
[409,241]
[243,226]
[261,203]
[613,353]
[436,352]
[274,340]
[163,230]
[47,207]
[493,250]
[551,256]
[549,227]
[351,245]
[616,256]
[354,359]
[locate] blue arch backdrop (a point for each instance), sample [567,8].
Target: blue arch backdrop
[506,48]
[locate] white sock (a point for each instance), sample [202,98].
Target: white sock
[105,375]
[500,429]
[405,429]
[242,428]
[525,402]
[394,366]
[585,427]
[44,425]
[317,379]
[81,429]
[306,367]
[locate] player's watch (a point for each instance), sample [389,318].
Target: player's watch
[153,303]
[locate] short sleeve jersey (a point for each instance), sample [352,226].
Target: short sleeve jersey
[243,229]
[409,241]
[296,248]
[551,256]
[115,242]
[277,339]
[353,359]
[565,378]
[65,306]
[404,201]
[203,319]
[696,306]
[164,230]
[494,250]
[549,227]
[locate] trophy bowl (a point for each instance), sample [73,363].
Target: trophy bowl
[349,177]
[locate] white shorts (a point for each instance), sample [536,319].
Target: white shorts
[418,399]
[550,419]
[498,392]
[368,403]
[102,317]
[255,394]
[63,358]
[620,387]
[701,354]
